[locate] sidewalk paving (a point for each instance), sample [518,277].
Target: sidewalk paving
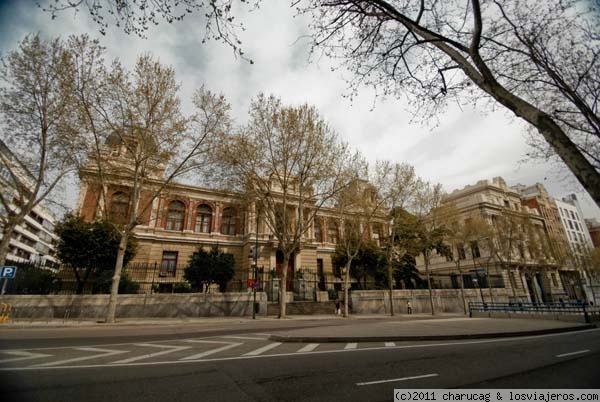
[356,328]
[429,330]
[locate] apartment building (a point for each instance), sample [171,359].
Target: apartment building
[34,239]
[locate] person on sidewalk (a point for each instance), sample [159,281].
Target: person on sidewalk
[338,311]
[408,307]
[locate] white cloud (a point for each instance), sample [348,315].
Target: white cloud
[466,146]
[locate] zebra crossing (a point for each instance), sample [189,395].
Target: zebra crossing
[169,351]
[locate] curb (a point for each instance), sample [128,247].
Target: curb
[398,338]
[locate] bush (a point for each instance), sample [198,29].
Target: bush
[32,279]
[104,280]
[182,287]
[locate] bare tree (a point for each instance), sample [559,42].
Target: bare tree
[430,230]
[539,60]
[397,185]
[36,148]
[137,16]
[462,229]
[138,137]
[359,208]
[290,164]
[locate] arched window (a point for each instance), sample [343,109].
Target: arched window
[228,222]
[119,207]
[175,215]
[203,219]
[332,232]
[318,232]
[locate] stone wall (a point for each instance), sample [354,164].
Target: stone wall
[444,300]
[155,305]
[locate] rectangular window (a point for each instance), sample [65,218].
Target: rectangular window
[169,263]
[475,249]
[461,252]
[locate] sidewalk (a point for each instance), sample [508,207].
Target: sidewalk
[429,330]
[356,328]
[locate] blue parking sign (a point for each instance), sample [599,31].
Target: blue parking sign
[8,272]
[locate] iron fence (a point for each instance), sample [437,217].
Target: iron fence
[562,307]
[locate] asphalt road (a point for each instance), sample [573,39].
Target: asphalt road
[257,369]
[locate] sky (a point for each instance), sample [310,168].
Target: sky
[460,148]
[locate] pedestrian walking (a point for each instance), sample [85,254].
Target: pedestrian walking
[338,311]
[408,307]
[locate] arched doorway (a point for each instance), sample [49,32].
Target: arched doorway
[289,286]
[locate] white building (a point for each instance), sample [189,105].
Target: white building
[33,240]
[579,238]
[573,224]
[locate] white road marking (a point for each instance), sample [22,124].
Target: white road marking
[197,356]
[276,355]
[262,350]
[351,346]
[252,338]
[308,348]
[396,379]
[573,353]
[170,349]
[25,355]
[107,352]
[390,344]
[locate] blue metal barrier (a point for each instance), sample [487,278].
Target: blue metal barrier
[565,307]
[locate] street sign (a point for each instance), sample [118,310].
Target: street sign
[8,272]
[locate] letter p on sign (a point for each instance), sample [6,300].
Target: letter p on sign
[8,272]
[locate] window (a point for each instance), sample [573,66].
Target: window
[521,250]
[572,215]
[461,251]
[554,280]
[318,232]
[203,219]
[228,222]
[571,225]
[175,215]
[475,249]
[169,263]
[119,207]
[332,232]
[377,232]
[449,255]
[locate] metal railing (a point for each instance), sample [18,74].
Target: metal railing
[564,307]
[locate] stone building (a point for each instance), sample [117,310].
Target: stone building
[185,217]
[512,261]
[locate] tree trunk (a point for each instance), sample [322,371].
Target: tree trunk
[346,286]
[283,285]
[7,232]
[114,289]
[426,259]
[390,280]
[462,288]
[489,282]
